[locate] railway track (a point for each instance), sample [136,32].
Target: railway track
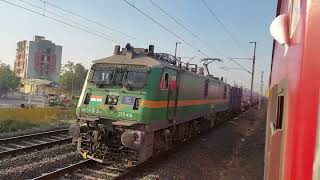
[19,144]
[89,169]
[86,169]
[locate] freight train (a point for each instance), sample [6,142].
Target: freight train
[292,150]
[138,103]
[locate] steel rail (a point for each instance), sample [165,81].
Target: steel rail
[86,169]
[62,171]
[25,143]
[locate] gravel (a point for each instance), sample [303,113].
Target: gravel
[34,164]
[35,156]
[234,150]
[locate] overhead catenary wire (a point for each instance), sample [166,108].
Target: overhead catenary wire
[87,19]
[69,24]
[95,22]
[175,20]
[62,22]
[165,28]
[242,67]
[63,17]
[223,26]
[193,34]
[183,26]
[82,28]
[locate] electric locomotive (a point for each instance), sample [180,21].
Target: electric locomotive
[137,103]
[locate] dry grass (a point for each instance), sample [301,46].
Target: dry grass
[19,119]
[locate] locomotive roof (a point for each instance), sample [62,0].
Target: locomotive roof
[138,56]
[136,59]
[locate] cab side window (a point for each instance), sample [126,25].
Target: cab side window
[164,83]
[280,110]
[295,8]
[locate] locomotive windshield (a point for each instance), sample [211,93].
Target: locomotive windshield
[129,77]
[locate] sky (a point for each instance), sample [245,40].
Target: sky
[244,21]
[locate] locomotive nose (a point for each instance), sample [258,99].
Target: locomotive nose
[74,131]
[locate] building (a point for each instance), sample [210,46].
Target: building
[38,59]
[38,87]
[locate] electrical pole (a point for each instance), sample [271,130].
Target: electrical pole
[252,72]
[175,51]
[261,90]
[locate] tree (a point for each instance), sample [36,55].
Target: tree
[8,80]
[72,78]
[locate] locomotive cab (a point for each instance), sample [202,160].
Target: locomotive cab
[113,113]
[114,92]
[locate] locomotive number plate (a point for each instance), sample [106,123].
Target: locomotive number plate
[124,114]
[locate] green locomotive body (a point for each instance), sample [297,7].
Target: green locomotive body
[137,103]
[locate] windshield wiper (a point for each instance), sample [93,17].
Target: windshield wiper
[102,83]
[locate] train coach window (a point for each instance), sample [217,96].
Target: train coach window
[164,84]
[280,112]
[316,163]
[295,8]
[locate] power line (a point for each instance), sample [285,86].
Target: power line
[60,21]
[87,19]
[99,34]
[224,27]
[95,22]
[165,28]
[183,26]
[245,69]
[68,19]
[96,33]
[176,21]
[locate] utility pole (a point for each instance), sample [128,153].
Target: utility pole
[252,72]
[175,51]
[261,90]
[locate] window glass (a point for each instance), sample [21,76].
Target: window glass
[316,165]
[166,80]
[280,112]
[136,78]
[164,84]
[103,75]
[129,77]
[295,8]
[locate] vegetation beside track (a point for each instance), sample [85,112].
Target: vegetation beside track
[19,119]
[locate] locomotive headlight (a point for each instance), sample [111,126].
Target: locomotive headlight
[112,100]
[115,100]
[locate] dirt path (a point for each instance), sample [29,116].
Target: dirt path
[232,151]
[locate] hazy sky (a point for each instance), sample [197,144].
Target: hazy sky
[247,20]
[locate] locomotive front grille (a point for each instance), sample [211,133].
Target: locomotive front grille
[107,153]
